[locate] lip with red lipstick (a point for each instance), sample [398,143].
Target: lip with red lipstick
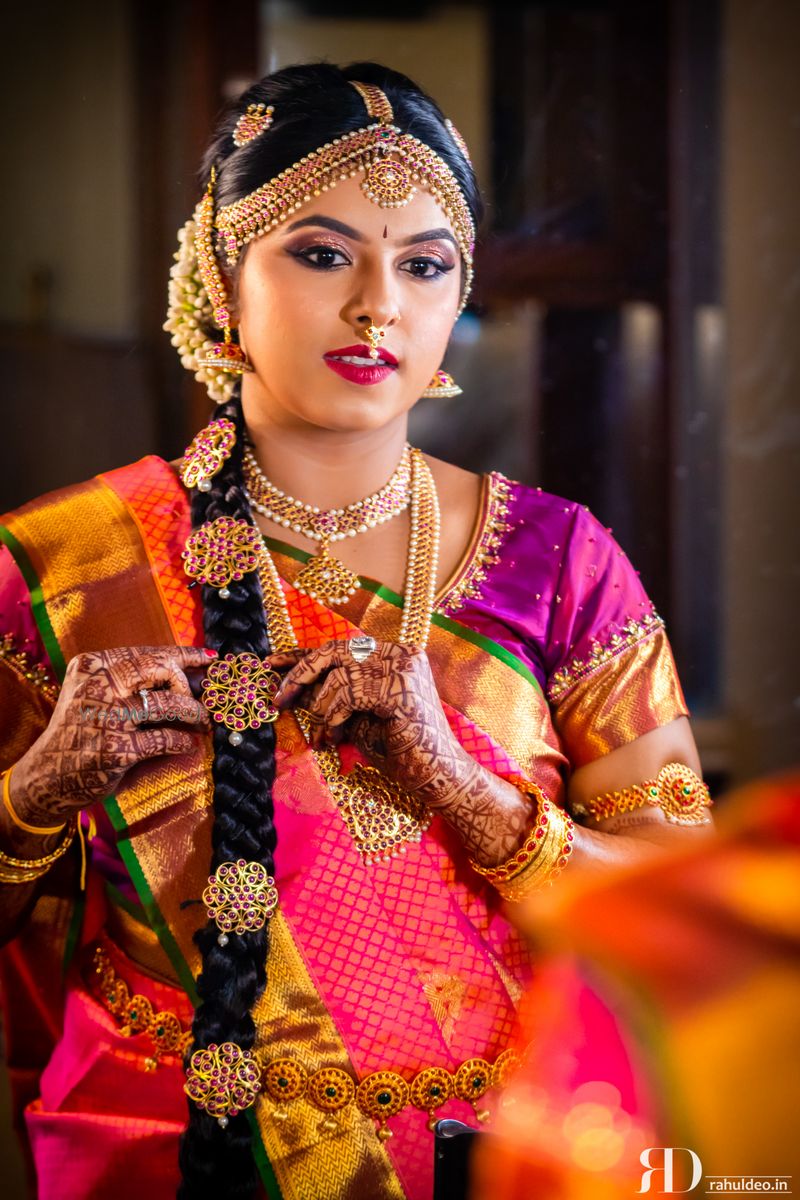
[354,363]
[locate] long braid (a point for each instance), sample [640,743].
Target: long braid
[214,1161]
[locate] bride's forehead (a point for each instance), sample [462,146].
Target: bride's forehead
[348,203]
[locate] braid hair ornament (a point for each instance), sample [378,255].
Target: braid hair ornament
[216,1149]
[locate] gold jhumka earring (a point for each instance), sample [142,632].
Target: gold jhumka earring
[441,387]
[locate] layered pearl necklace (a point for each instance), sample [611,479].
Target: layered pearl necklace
[325,577]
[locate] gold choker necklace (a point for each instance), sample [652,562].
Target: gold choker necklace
[324,577]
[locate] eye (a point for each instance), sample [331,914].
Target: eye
[426,268]
[321,258]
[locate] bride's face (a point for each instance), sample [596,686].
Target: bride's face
[308,290]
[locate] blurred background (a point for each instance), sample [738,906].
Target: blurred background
[633,341]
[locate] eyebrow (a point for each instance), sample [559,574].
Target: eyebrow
[430,235]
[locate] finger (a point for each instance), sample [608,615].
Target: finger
[153,742]
[175,677]
[285,658]
[309,669]
[192,656]
[182,657]
[174,707]
[336,683]
[336,722]
[333,707]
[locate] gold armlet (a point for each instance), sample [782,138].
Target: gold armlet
[677,791]
[542,857]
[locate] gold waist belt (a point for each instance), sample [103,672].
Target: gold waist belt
[379,1095]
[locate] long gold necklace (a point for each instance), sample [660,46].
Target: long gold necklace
[381,816]
[324,577]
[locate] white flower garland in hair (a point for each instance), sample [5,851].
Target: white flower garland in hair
[189,312]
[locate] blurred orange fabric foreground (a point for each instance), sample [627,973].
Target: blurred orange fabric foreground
[697,954]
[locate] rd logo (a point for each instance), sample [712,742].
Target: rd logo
[661,1161]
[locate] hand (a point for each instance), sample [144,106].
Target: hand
[97,731]
[387,705]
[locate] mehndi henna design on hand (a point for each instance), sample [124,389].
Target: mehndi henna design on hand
[96,733]
[390,706]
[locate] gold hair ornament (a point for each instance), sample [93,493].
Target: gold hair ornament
[240,897]
[223,1080]
[394,164]
[222,552]
[458,139]
[255,120]
[238,691]
[207,453]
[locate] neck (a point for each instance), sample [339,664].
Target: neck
[323,467]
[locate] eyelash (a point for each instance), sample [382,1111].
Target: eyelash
[304,256]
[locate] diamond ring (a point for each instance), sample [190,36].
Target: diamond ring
[145,695]
[361,647]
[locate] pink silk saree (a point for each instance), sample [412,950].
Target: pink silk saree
[546,653]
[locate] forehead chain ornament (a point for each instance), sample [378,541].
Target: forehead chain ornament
[394,163]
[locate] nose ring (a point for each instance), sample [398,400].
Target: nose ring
[374,335]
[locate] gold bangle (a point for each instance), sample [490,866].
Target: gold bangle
[20,876]
[40,865]
[548,864]
[677,791]
[42,830]
[530,848]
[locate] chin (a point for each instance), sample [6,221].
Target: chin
[351,422]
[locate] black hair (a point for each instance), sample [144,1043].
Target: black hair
[313,104]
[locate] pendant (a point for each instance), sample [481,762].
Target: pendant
[326,579]
[380,816]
